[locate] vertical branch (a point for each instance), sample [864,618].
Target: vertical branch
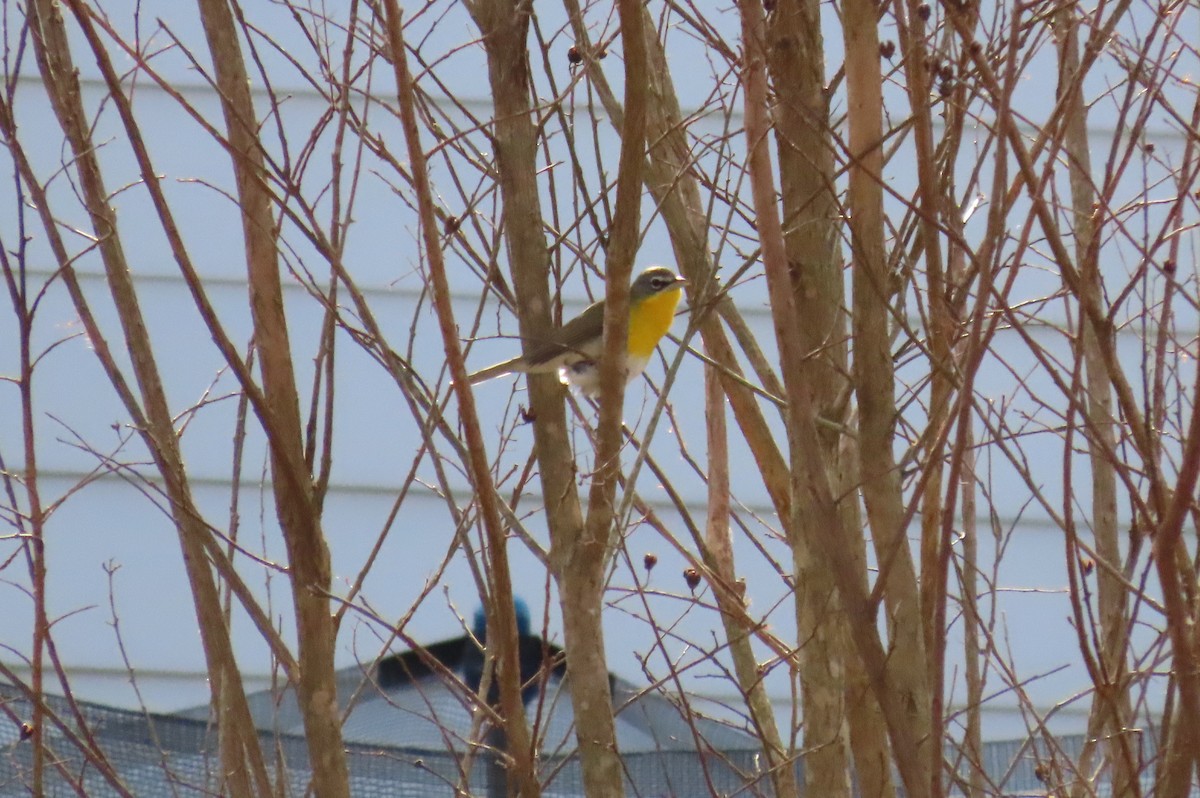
[30,525]
[899,687]
[623,241]
[1181,620]
[796,59]
[1178,737]
[1110,713]
[972,624]
[242,762]
[582,578]
[869,735]
[503,639]
[795,54]
[505,26]
[296,504]
[934,562]
[718,551]
[875,390]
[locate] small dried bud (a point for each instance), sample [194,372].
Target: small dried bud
[1087,565]
[1041,772]
[976,48]
[923,12]
[945,88]
[946,72]
[574,56]
[602,53]
[692,577]
[1168,266]
[1149,148]
[26,730]
[740,587]
[452,225]
[527,415]
[887,49]
[649,561]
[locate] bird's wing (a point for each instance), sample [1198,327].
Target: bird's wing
[569,344]
[575,341]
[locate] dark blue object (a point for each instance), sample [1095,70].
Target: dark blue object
[531,653]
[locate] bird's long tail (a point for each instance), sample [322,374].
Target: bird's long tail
[497,370]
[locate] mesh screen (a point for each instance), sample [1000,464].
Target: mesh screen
[143,754]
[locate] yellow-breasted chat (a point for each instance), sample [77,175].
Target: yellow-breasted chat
[574,348]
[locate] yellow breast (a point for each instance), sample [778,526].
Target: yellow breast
[649,321]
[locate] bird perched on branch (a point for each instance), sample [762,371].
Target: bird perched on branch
[574,349]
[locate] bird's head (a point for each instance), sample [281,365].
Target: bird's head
[654,281]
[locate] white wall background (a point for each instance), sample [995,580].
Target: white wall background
[112,552]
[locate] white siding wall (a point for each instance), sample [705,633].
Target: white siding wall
[117,525]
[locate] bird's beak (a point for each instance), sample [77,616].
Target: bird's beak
[680,280]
